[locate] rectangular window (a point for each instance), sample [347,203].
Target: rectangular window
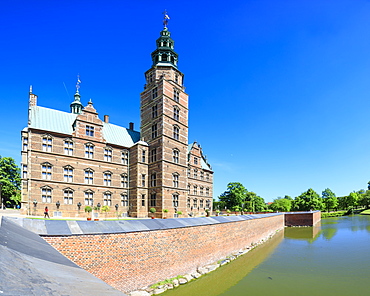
[107,179]
[68,147]
[155,111]
[207,177]
[176,95]
[154,92]
[176,132]
[153,180]
[46,144]
[89,198]
[124,200]
[195,190]
[201,175]
[195,174]
[207,191]
[143,200]
[175,156]
[89,177]
[154,131]
[46,195]
[208,203]
[201,203]
[124,181]
[143,180]
[175,200]
[89,151]
[68,175]
[153,200]
[24,171]
[89,130]
[143,156]
[201,191]
[176,113]
[153,155]
[125,157]
[108,155]
[195,160]
[195,203]
[46,171]
[176,180]
[188,203]
[25,144]
[68,197]
[107,199]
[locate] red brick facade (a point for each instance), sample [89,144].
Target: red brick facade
[130,261]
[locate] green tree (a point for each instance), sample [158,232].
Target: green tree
[10,180]
[352,199]
[307,201]
[365,199]
[329,199]
[281,205]
[234,195]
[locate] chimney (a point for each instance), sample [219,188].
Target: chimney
[32,98]
[106,118]
[131,126]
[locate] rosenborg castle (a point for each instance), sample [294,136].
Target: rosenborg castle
[74,159]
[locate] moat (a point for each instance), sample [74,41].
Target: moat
[328,259]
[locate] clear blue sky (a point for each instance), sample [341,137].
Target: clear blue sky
[279,90]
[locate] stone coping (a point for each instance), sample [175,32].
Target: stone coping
[295,213]
[68,228]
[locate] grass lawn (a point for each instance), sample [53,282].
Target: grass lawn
[366,212]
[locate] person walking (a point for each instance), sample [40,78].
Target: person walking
[46,212]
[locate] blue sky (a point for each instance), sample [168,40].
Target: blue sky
[279,90]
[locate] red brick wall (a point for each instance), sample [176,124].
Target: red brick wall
[302,219]
[130,261]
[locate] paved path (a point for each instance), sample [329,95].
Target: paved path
[30,266]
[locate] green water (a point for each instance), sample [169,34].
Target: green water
[330,259]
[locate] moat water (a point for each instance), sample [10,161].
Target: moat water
[332,258]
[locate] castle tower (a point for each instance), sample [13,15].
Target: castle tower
[164,126]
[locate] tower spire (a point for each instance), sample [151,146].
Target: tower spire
[76,105]
[165,54]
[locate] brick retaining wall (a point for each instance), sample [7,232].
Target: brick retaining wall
[134,260]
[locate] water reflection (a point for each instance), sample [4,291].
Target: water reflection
[331,259]
[303,233]
[229,275]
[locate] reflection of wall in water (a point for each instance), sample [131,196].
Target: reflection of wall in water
[231,274]
[303,232]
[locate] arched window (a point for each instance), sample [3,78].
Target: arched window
[176,113]
[175,178]
[175,155]
[176,132]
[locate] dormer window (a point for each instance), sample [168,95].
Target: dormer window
[89,130]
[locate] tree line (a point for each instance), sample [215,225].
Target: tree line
[238,198]
[10,182]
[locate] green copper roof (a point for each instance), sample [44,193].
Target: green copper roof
[62,122]
[165,53]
